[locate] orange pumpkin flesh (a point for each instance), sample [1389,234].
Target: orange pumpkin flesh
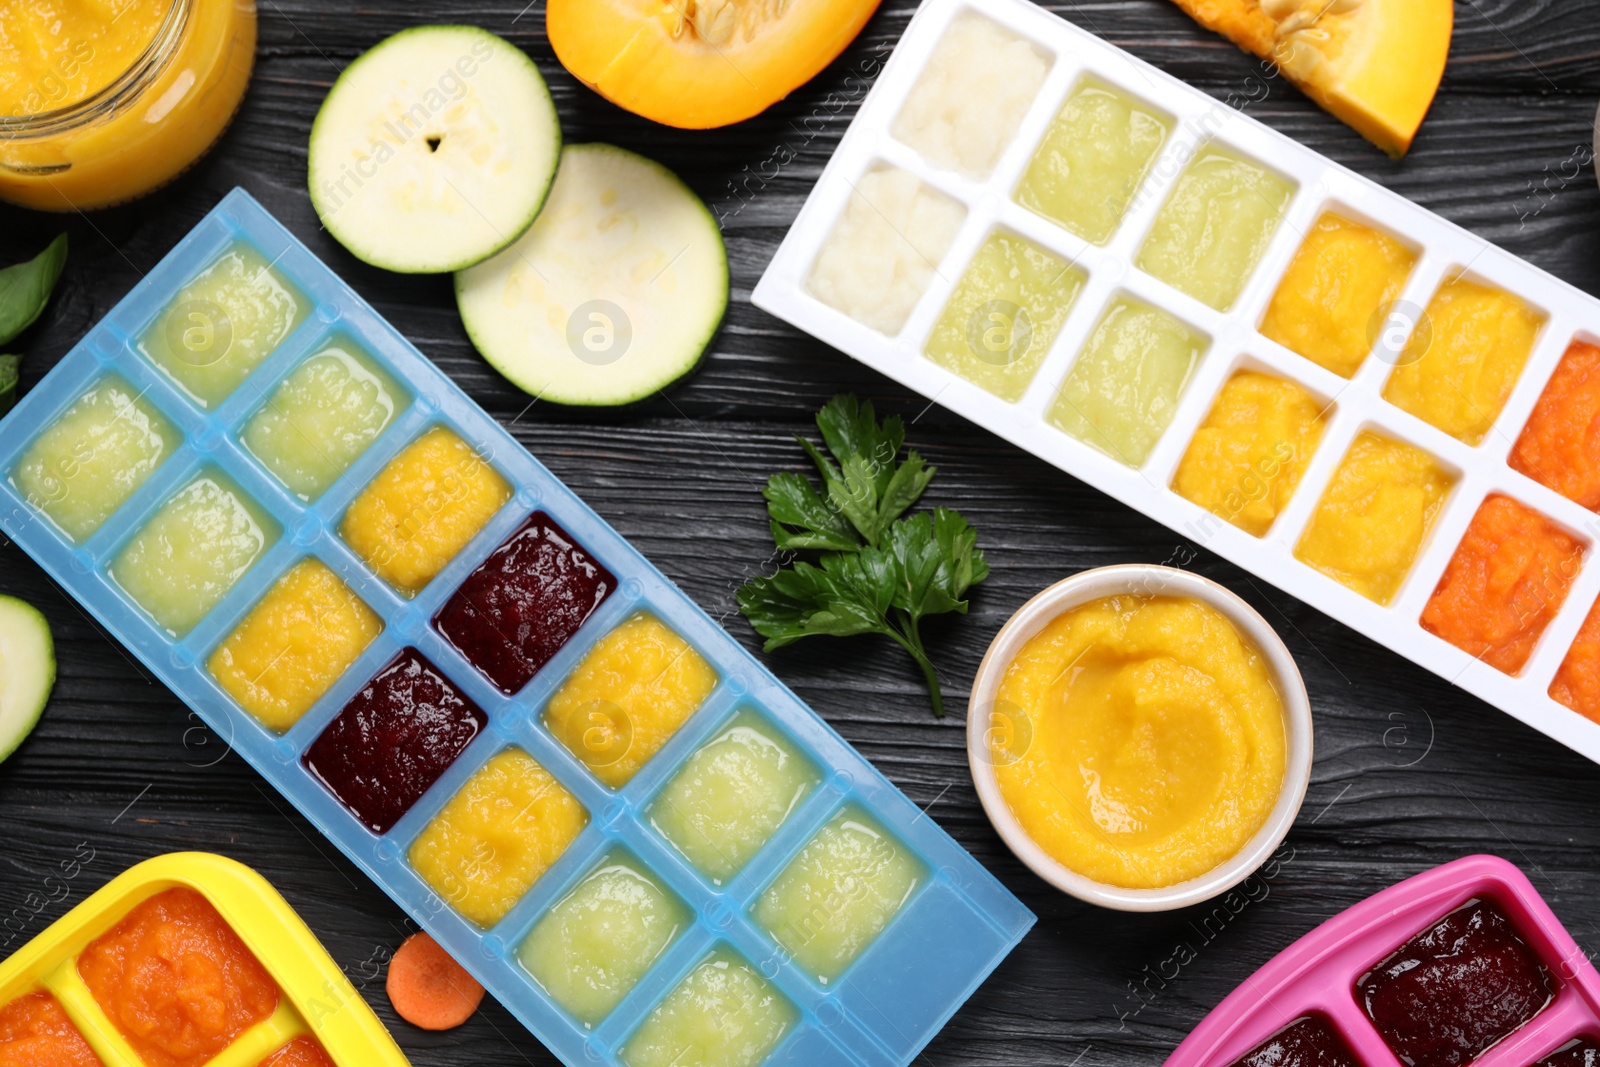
[697,64]
[1373,64]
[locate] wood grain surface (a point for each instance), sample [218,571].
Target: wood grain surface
[1409,773]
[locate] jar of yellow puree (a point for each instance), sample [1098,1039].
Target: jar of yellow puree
[1140,737]
[102,101]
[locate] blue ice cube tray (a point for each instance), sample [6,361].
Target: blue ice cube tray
[954,929]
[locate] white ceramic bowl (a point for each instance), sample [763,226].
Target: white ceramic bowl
[1143,580]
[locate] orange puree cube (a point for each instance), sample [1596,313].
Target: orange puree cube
[1577,683]
[1560,446]
[1463,358]
[1504,584]
[628,697]
[294,644]
[35,1032]
[301,1052]
[176,980]
[1328,304]
[423,508]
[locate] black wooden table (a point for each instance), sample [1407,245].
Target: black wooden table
[1409,773]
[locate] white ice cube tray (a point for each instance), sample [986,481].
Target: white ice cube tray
[1444,251]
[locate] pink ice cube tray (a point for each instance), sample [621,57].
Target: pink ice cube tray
[1317,974]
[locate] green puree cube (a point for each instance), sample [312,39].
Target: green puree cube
[1004,314]
[723,1014]
[321,418]
[732,795]
[94,457]
[193,550]
[592,948]
[839,893]
[223,324]
[1092,160]
[1214,227]
[1124,387]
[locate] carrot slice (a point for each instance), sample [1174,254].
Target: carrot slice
[428,988]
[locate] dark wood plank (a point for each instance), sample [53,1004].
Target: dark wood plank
[1410,772]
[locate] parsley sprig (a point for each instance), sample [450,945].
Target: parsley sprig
[877,570]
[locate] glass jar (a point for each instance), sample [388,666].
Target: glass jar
[149,121]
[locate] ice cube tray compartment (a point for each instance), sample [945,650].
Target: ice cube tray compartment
[879,1013]
[1318,973]
[1443,252]
[316,999]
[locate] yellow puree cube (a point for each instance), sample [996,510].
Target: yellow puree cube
[294,645]
[627,698]
[498,836]
[423,508]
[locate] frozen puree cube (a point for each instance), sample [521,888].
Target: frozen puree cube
[1004,314]
[222,325]
[176,980]
[1214,227]
[1374,516]
[498,836]
[35,1032]
[193,550]
[423,508]
[524,603]
[1123,389]
[95,456]
[1455,990]
[393,740]
[969,100]
[1092,160]
[723,1014]
[885,249]
[1246,459]
[592,948]
[294,644]
[1307,1042]
[321,418]
[730,797]
[631,693]
[838,894]
[1463,358]
[1331,305]
[1505,583]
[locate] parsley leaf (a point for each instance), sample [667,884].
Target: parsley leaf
[879,571]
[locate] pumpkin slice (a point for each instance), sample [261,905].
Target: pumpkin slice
[1373,64]
[697,64]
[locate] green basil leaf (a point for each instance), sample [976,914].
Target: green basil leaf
[25,288]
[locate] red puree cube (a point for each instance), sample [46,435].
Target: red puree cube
[1450,993]
[1307,1042]
[393,740]
[514,613]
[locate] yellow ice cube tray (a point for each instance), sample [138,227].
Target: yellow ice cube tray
[315,998]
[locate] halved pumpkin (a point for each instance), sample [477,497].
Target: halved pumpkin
[700,63]
[1373,64]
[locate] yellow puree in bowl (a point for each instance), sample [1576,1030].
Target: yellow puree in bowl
[1139,740]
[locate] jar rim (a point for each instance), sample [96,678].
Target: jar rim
[122,89]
